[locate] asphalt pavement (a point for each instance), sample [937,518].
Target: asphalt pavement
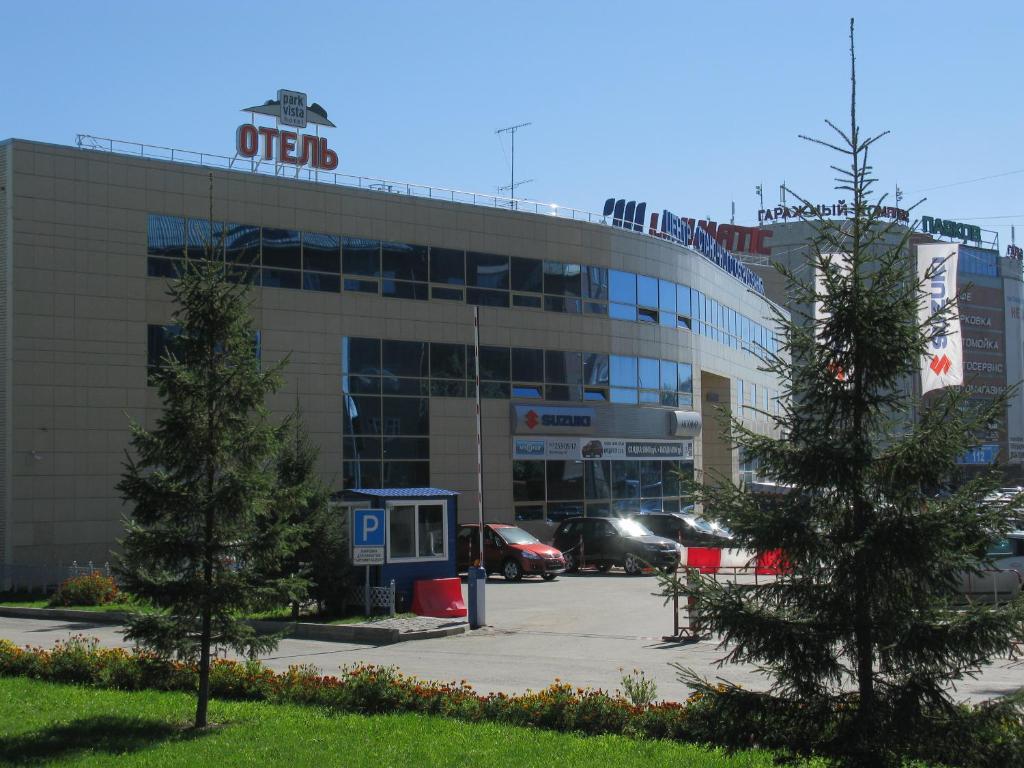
[586,630]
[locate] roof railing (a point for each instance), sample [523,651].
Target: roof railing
[269,168]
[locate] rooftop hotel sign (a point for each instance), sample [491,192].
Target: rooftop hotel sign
[281,145]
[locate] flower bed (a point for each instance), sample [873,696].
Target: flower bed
[359,688]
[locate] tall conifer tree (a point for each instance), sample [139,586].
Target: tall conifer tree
[202,485]
[876,551]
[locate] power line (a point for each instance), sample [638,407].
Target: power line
[985,218]
[970,181]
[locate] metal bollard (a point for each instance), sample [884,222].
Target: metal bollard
[477,600]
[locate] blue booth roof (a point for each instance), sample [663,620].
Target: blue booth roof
[403,493]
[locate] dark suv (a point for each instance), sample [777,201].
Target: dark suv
[688,530]
[608,541]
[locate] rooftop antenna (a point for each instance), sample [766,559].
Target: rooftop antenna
[732,217]
[511,129]
[759,191]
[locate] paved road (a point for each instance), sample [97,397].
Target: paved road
[581,629]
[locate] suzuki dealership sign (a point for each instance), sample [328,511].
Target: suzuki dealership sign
[540,419]
[582,448]
[281,145]
[943,363]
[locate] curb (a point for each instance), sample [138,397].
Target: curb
[332,633]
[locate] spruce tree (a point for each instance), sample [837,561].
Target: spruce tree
[318,564]
[871,601]
[202,485]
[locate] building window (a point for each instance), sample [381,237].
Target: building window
[417,532]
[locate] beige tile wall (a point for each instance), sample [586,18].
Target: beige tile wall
[81,303]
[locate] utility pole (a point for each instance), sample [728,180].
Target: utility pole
[511,130]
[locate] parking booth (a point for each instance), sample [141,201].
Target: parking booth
[403,536]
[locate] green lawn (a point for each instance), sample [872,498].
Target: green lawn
[66,725]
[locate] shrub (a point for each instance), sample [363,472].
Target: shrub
[91,589]
[723,715]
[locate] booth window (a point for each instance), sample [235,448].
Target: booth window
[417,531]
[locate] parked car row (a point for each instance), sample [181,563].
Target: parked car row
[654,539]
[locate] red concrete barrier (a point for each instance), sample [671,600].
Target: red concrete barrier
[772,563]
[441,598]
[704,559]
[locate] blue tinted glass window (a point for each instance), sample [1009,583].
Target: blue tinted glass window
[527,301]
[160,342]
[617,395]
[646,291]
[527,391]
[595,282]
[667,296]
[562,304]
[406,474]
[448,294]
[977,261]
[205,238]
[448,361]
[281,248]
[621,287]
[622,311]
[281,278]
[527,275]
[447,266]
[403,261]
[527,364]
[360,286]
[565,480]
[405,415]
[486,298]
[404,358]
[406,448]
[320,253]
[360,257]
[598,479]
[242,244]
[595,369]
[649,372]
[362,415]
[685,377]
[669,375]
[563,279]
[398,289]
[317,281]
[165,236]
[494,364]
[563,368]
[163,267]
[683,300]
[626,479]
[487,270]
[623,371]
[362,474]
[360,356]
[528,480]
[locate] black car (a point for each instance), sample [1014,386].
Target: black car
[608,541]
[688,530]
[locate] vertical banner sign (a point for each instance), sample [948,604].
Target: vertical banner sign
[821,315]
[943,363]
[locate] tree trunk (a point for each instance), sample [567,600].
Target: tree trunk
[204,670]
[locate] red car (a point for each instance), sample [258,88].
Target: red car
[508,550]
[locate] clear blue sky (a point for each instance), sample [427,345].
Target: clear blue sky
[687,106]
